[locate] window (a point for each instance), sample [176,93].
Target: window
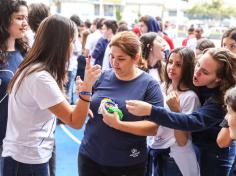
[96,10]
[108,10]
[172,12]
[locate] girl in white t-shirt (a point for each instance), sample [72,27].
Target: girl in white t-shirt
[36,98]
[172,149]
[163,149]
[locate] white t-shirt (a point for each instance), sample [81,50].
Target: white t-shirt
[92,40]
[30,36]
[184,156]
[30,127]
[106,59]
[77,50]
[192,43]
[165,138]
[155,74]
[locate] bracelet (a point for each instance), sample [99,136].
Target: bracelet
[88,101]
[85,93]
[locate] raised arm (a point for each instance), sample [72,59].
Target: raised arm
[76,117]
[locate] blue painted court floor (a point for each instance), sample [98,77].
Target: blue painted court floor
[67,147]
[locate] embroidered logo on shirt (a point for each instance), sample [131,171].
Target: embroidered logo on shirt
[134,153]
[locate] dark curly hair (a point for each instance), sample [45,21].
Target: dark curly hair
[7,8]
[51,49]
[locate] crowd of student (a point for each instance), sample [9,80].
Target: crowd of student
[178,103]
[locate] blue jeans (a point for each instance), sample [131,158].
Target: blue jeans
[215,161]
[13,168]
[161,164]
[1,161]
[70,87]
[52,162]
[233,169]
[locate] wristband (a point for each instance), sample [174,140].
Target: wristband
[85,93]
[88,101]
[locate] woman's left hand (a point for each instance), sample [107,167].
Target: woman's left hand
[111,119]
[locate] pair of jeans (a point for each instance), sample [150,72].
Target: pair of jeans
[12,167]
[52,162]
[161,164]
[88,167]
[233,169]
[1,161]
[215,161]
[70,87]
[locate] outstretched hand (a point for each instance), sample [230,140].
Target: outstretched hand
[138,108]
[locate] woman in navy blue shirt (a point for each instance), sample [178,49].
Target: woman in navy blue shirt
[106,151]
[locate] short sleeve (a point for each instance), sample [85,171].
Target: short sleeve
[190,103]
[44,90]
[153,94]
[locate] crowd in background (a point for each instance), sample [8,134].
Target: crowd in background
[177,102]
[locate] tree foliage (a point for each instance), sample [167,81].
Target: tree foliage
[212,10]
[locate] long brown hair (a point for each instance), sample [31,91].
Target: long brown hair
[8,7]
[187,69]
[147,45]
[51,50]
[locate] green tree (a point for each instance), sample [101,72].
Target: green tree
[212,10]
[118,13]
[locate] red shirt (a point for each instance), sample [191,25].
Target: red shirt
[169,41]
